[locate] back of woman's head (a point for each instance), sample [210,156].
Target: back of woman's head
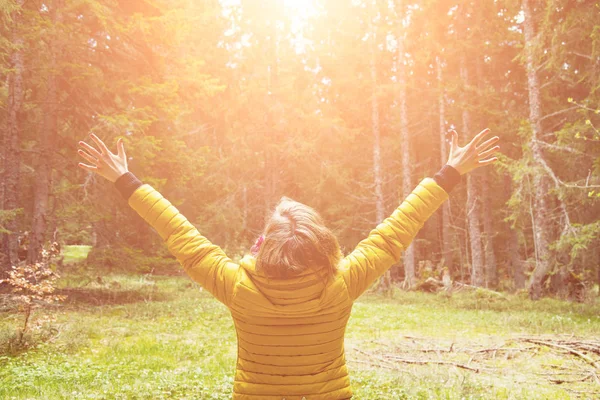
[296,239]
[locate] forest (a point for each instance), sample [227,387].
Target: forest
[225,106]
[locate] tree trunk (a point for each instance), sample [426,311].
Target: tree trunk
[273,166]
[379,206]
[541,215]
[407,184]
[473,209]
[377,179]
[269,184]
[47,140]
[489,256]
[517,263]
[11,148]
[491,278]
[244,208]
[447,256]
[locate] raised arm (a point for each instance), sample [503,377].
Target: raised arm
[203,261]
[384,245]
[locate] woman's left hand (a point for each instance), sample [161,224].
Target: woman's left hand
[104,162]
[473,155]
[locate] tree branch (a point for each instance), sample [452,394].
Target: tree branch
[558,112]
[580,55]
[557,183]
[562,148]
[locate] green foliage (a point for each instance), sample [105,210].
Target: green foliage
[576,244]
[225,108]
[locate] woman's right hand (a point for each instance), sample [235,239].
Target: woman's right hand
[474,154]
[104,162]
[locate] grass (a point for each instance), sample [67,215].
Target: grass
[75,253]
[153,337]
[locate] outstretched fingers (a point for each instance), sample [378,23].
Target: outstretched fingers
[100,144]
[90,149]
[454,141]
[88,157]
[479,137]
[121,148]
[489,152]
[488,161]
[90,168]
[487,143]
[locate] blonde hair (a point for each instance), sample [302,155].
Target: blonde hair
[295,240]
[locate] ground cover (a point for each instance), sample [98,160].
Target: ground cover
[159,337]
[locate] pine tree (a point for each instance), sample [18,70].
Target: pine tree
[11,141]
[47,137]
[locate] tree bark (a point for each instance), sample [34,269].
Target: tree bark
[517,263]
[540,181]
[377,179]
[447,255]
[408,257]
[47,137]
[244,208]
[12,136]
[272,167]
[491,268]
[473,208]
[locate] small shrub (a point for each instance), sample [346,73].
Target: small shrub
[32,285]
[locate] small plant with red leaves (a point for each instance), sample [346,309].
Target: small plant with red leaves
[34,284]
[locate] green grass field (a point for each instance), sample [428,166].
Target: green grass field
[153,337]
[75,253]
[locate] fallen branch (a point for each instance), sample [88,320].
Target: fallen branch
[557,373]
[372,364]
[502,349]
[378,358]
[424,362]
[563,367]
[567,349]
[387,357]
[561,381]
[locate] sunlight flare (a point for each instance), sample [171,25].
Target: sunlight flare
[301,8]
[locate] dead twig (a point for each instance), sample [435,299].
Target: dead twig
[372,364]
[561,381]
[571,350]
[424,362]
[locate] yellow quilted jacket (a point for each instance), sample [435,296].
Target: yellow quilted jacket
[290,332]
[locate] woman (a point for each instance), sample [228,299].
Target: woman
[290,300]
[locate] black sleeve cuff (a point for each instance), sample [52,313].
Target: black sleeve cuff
[447,178]
[127,184]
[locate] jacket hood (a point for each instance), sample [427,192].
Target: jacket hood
[306,288]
